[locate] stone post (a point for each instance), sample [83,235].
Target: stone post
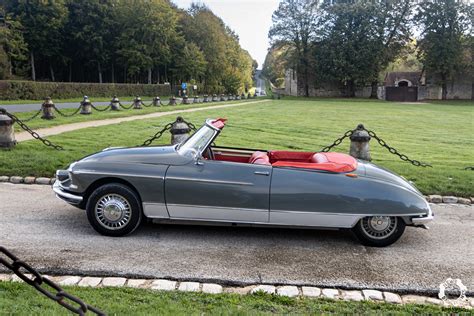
[156,101]
[48,109]
[86,107]
[179,131]
[7,133]
[360,148]
[115,104]
[137,103]
[205,98]
[223,97]
[242,96]
[214,98]
[237,97]
[196,99]
[172,101]
[249,96]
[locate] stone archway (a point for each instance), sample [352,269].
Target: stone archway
[403,83]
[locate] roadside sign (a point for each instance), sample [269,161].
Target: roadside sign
[184,86]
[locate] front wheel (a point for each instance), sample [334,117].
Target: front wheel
[379,231]
[114,210]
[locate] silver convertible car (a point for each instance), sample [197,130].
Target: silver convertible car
[198,182]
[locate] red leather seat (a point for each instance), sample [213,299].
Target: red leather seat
[259,158]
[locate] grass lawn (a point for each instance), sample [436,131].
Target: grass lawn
[20,299]
[97,115]
[438,133]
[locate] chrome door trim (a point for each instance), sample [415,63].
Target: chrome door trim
[221,207]
[155,210]
[209,181]
[117,174]
[216,213]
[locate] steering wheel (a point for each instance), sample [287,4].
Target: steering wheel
[209,153]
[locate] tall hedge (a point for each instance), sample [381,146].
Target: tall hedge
[31,90]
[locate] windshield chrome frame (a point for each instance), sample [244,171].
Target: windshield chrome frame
[209,125]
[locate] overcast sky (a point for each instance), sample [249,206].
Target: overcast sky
[250,19]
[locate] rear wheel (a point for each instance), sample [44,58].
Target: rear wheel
[379,231]
[114,210]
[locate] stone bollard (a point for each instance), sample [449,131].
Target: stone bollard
[196,99]
[230,97]
[255,95]
[48,109]
[214,98]
[115,104]
[7,133]
[242,96]
[205,98]
[172,101]
[156,101]
[249,96]
[223,97]
[186,100]
[137,103]
[179,131]
[360,148]
[237,97]
[86,106]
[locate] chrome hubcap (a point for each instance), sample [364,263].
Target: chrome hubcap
[379,227]
[113,211]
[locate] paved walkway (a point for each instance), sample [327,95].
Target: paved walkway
[23,136]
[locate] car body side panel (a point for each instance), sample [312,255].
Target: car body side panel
[322,199]
[147,179]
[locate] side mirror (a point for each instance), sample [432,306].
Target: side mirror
[198,161]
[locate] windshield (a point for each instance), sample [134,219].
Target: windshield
[198,142]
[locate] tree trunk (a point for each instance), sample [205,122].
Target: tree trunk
[373,92]
[70,71]
[444,87]
[99,69]
[149,75]
[350,89]
[113,73]
[33,70]
[51,71]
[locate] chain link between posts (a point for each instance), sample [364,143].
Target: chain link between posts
[34,134]
[381,142]
[45,285]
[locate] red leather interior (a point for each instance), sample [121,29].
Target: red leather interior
[333,162]
[260,158]
[229,157]
[289,156]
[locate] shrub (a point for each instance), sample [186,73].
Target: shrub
[34,90]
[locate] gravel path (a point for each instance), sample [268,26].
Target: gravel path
[23,136]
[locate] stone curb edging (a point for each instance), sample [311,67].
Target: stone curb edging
[212,288]
[435,199]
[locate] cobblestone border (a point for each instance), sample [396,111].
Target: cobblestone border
[213,288]
[436,199]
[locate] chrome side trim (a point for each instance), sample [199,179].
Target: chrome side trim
[314,219]
[116,174]
[217,213]
[209,181]
[155,210]
[68,197]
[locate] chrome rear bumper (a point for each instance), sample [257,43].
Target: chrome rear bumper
[65,196]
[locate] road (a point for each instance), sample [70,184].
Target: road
[57,238]
[17,108]
[260,82]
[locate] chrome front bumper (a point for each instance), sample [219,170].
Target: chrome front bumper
[65,196]
[422,221]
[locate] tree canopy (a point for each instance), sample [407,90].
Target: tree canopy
[139,41]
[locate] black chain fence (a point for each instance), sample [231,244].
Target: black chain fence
[381,142]
[167,127]
[34,134]
[67,115]
[44,285]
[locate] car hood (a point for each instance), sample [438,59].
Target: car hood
[373,171]
[144,155]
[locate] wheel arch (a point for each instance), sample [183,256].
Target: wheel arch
[108,180]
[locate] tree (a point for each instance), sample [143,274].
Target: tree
[43,21]
[296,23]
[444,25]
[13,49]
[191,63]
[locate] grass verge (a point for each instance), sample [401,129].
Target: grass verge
[438,133]
[20,299]
[97,115]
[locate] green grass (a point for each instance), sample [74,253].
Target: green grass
[97,115]
[438,133]
[21,299]
[124,99]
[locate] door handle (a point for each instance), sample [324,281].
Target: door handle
[262,173]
